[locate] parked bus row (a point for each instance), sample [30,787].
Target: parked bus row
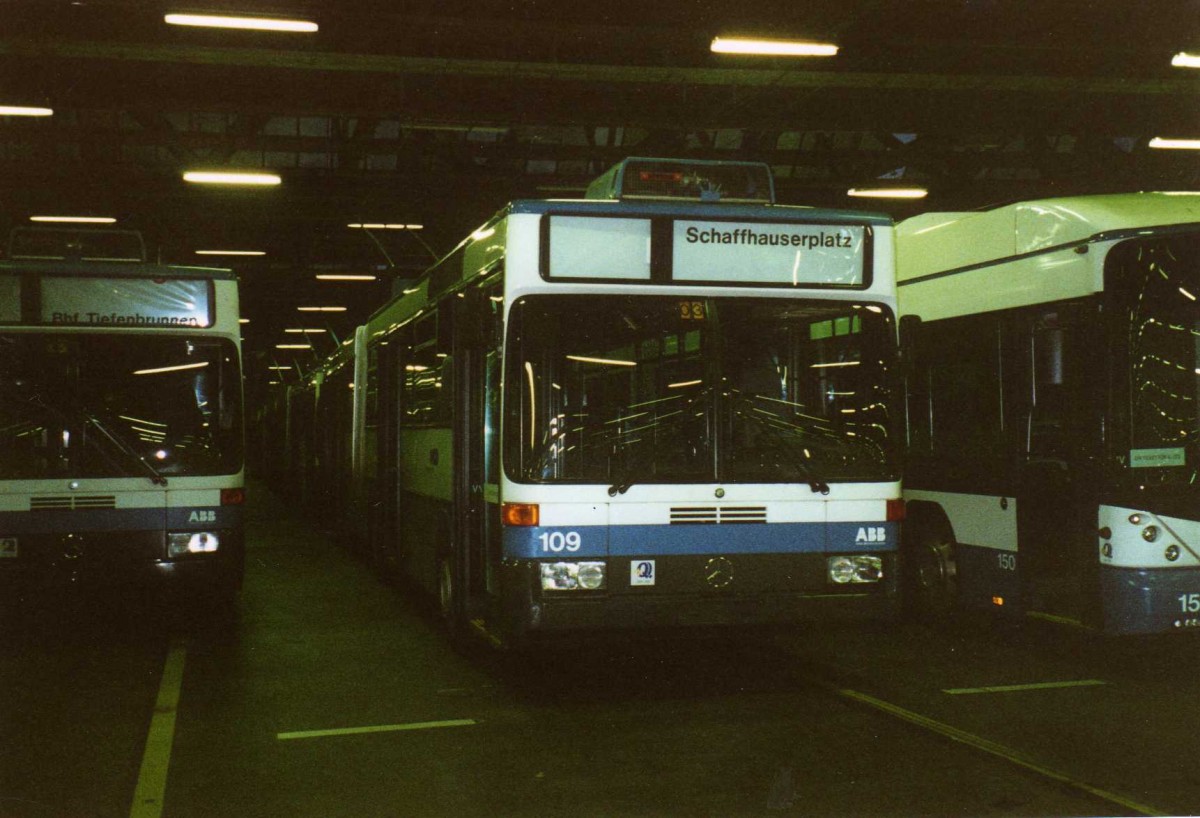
[676,402]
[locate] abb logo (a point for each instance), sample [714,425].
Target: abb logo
[871,534]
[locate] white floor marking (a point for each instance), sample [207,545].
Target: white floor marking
[152,778]
[379,728]
[958,691]
[1129,806]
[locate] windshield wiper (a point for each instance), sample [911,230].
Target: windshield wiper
[786,444]
[123,446]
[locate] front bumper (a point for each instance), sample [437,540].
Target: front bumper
[101,559]
[695,591]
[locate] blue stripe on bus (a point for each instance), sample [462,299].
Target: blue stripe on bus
[648,540]
[54,521]
[1148,600]
[199,518]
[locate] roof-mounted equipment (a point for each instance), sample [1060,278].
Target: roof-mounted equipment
[697,180]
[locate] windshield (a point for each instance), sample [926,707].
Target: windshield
[661,389]
[101,405]
[1156,284]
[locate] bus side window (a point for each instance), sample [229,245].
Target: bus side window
[961,371]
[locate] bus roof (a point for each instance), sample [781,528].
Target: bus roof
[936,242]
[110,269]
[699,210]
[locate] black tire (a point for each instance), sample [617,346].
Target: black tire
[930,571]
[446,592]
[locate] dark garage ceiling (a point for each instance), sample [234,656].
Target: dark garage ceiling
[437,113]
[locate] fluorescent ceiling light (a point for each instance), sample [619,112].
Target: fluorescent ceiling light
[231,252]
[243,320]
[1186,60]
[321,309]
[74,219]
[607,361]
[383,226]
[773,48]
[280,368]
[293,346]
[889,192]
[178,368]
[303,331]
[253,23]
[24,110]
[1176,144]
[230,178]
[143,422]
[344,277]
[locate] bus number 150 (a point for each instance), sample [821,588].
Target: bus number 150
[557,541]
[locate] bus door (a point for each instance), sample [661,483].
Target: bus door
[1056,504]
[476,365]
[491,474]
[385,539]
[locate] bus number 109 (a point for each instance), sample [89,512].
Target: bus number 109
[557,541]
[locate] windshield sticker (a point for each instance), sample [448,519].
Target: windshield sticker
[1156,458]
[641,572]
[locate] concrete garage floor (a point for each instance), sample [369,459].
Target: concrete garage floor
[331,694]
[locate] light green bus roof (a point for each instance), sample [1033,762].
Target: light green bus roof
[937,242]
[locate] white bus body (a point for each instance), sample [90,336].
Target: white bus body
[628,414]
[120,426]
[1052,402]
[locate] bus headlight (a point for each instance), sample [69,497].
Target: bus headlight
[573,576]
[858,568]
[186,543]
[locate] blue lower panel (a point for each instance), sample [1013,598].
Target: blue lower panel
[1141,600]
[542,542]
[53,521]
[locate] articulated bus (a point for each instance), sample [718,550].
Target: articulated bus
[120,420]
[1053,393]
[671,403]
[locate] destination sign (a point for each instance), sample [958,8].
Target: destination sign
[769,253]
[582,247]
[128,302]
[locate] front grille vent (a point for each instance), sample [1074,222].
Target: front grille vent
[71,502]
[717,515]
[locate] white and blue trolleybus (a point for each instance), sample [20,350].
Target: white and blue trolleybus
[120,419]
[1053,393]
[670,403]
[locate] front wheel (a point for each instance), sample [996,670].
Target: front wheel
[932,587]
[446,592]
